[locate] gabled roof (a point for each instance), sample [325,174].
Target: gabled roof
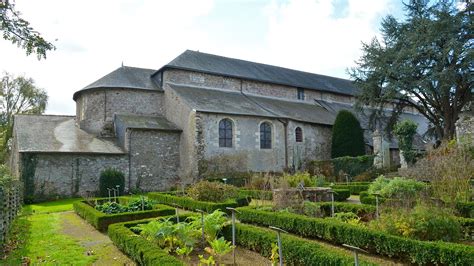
[145,122]
[57,134]
[225,66]
[230,102]
[124,77]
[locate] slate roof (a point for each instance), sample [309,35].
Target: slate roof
[49,133]
[230,102]
[145,122]
[124,77]
[225,66]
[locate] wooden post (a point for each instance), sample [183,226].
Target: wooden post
[355,251]
[233,230]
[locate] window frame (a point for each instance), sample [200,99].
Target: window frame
[300,94]
[266,136]
[226,133]
[298,136]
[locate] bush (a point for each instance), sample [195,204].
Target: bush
[191,204]
[341,194]
[398,188]
[366,198]
[111,178]
[465,209]
[361,210]
[101,220]
[354,189]
[405,131]
[409,250]
[347,136]
[211,191]
[296,251]
[255,194]
[295,179]
[422,223]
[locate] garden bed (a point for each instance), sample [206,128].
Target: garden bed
[296,250]
[101,220]
[191,204]
[339,194]
[411,251]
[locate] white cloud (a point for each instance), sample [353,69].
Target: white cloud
[307,35]
[94,37]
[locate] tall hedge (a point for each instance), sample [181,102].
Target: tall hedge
[110,178]
[347,136]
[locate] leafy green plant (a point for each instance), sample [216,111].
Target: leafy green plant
[213,223]
[219,247]
[348,217]
[111,178]
[212,191]
[398,187]
[135,205]
[405,131]
[184,251]
[422,222]
[209,261]
[297,178]
[275,257]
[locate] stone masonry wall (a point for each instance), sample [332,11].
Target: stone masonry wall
[246,142]
[96,107]
[248,86]
[154,159]
[66,175]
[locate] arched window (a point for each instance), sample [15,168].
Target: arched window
[298,134]
[265,136]
[225,133]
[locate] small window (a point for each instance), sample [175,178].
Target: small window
[300,94]
[225,133]
[265,136]
[298,134]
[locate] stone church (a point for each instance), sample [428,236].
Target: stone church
[199,114]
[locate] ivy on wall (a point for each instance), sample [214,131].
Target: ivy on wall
[28,169]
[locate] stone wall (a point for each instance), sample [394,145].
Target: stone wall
[246,142]
[248,86]
[154,159]
[51,175]
[96,108]
[465,127]
[180,114]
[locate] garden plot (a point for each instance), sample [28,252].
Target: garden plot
[100,213]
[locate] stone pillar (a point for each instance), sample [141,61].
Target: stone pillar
[381,150]
[465,125]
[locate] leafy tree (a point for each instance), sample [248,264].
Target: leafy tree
[347,136]
[405,131]
[18,95]
[424,61]
[19,32]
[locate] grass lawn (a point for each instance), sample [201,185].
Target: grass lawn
[38,239]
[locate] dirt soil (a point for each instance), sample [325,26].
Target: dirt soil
[243,257]
[95,242]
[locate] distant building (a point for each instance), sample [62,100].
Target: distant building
[199,114]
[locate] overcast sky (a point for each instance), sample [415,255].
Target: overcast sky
[93,38]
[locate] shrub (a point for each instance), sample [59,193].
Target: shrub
[449,169]
[295,179]
[255,194]
[409,250]
[366,198]
[354,189]
[341,194]
[465,209]
[361,210]
[347,136]
[111,178]
[338,167]
[399,187]
[422,223]
[211,191]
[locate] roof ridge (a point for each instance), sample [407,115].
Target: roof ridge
[44,115]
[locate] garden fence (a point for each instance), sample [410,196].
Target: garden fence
[10,204]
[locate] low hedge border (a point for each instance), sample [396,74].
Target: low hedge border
[142,251]
[360,209]
[296,250]
[190,204]
[355,189]
[465,209]
[414,251]
[101,220]
[339,195]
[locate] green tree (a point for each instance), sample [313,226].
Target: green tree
[347,136]
[424,61]
[405,131]
[19,32]
[18,95]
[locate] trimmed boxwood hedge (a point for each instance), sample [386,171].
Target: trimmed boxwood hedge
[296,250]
[142,251]
[355,189]
[465,209]
[339,195]
[414,251]
[190,204]
[101,220]
[359,209]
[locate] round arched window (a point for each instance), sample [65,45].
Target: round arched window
[298,134]
[265,135]
[225,133]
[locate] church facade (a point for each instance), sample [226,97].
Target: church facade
[198,115]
